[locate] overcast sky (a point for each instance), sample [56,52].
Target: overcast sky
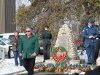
[26,2]
[19,2]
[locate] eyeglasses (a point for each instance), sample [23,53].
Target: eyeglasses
[28,31]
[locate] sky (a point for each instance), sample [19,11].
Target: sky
[19,2]
[26,2]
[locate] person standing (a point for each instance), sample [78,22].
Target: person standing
[90,32]
[46,37]
[97,48]
[15,47]
[96,70]
[28,50]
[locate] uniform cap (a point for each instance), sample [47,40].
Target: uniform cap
[91,20]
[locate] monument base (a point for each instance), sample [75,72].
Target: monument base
[74,62]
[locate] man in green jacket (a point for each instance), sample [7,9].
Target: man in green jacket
[29,49]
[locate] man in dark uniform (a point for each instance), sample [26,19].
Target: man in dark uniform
[46,36]
[96,70]
[90,32]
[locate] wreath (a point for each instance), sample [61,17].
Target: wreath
[59,54]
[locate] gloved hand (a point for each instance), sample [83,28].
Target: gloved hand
[34,54]
[91,37]
[20,54]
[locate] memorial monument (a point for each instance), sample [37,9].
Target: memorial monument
[65,39]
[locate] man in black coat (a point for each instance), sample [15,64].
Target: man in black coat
[97,48]
[96,71]
[46,36]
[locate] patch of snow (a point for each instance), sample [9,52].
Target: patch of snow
[7,66]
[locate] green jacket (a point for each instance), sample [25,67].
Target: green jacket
[29,46]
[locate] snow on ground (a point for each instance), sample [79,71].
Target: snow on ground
[7,66]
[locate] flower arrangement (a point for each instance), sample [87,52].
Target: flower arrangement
[50,67]
[63,68]
[59,67]
[40,67]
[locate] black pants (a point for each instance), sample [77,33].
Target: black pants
[97,50]
[46,51]
[9,53]
[29,65]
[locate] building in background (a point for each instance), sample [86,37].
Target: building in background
[7,16]
[2,16]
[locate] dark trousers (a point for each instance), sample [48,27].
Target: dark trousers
[28,64]
[16,56]
[97,50]
[9,53]
[46,51]
[90,52]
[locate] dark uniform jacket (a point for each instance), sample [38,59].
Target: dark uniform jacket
[88,32]
[46,36]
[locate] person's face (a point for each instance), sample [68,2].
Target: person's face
[28,31]
[90,24]
[46,28]
[16,33]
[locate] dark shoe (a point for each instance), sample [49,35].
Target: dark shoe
[44,61]
[89,63]
[16,65]
[21,65]
[31,73]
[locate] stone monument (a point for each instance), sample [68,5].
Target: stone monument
[65,38]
